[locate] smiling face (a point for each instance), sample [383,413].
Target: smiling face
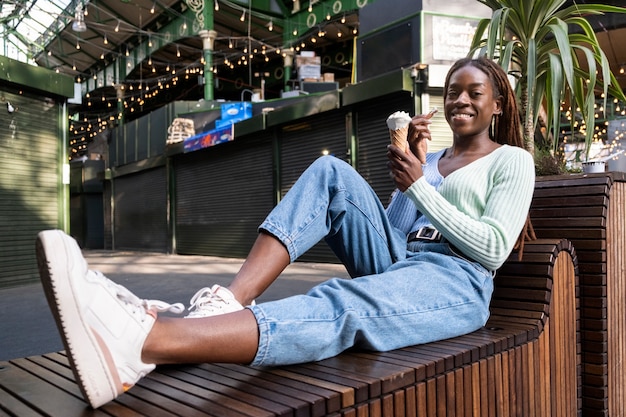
[471,102]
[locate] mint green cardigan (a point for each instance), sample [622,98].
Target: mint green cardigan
[480,208]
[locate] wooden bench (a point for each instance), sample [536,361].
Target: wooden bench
[524,362]
[589,210]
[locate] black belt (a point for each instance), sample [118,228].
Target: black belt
[425,234]
[432,235]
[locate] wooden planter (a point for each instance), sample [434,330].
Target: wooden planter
[590,210]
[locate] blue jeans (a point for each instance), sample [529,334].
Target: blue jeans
[400,295]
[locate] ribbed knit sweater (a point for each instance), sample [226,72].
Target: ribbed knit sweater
[480,208]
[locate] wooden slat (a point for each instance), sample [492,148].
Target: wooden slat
[616,301]
[600,267]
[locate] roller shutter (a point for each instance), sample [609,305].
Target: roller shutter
[439,129]
[29,182]
[107,213]
[140,210]
[373,138]
[222,195]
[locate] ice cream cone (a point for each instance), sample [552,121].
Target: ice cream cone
[399,138]
[398,124]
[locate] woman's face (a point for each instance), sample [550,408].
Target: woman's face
[469,102]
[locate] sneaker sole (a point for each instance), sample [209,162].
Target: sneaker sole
[87,358]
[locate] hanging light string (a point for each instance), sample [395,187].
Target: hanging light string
[223,58]
[140,92]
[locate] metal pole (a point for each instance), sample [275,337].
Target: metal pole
[208,43]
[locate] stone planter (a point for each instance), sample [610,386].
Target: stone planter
[593,167]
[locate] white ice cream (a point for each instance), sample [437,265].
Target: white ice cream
[398,120]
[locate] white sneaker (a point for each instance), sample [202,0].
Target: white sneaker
[212,302]
[103,325]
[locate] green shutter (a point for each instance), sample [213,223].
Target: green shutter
[29,180]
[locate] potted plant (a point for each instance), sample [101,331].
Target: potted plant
[543,44]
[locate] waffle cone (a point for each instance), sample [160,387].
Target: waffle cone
[399,138]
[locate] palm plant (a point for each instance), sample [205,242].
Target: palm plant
[532,40]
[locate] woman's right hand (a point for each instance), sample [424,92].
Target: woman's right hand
[404,167]
[419,133]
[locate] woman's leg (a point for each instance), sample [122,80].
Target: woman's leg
[266,260]
[427,297]
[226,338]
[329,201]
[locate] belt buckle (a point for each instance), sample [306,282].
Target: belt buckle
[428,233]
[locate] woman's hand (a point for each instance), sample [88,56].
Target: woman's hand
[419,133]
[404,167]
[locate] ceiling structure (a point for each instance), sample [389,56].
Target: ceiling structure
[151,47]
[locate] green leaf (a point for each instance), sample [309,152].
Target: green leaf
[531,71]
[494,35]
[559,30]
[545,56]
[554,91]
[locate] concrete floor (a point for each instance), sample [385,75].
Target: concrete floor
[27,327]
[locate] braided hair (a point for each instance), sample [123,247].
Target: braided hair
[506,127]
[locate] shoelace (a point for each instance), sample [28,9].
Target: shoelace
[206,299]
[138,305]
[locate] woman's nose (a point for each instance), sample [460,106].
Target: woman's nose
[462,99]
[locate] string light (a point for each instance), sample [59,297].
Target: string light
[250,51]
[217,6]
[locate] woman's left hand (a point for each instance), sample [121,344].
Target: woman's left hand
[404,167]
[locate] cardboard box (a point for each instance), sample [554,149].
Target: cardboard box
[309,71]
[220,123]
[328,77]
[236,111]
[308,60]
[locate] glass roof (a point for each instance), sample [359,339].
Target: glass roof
[23,22]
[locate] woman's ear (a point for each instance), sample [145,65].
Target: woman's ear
[497,111]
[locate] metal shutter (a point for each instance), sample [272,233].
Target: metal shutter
[439,129]
[308,139]
[373,138]
[222,195]
[107,197]
[29,182]
[140,210]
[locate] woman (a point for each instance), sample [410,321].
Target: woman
[422,268]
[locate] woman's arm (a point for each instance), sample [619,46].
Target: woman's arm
[482,207]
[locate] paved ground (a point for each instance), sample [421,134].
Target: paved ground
[27,327]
